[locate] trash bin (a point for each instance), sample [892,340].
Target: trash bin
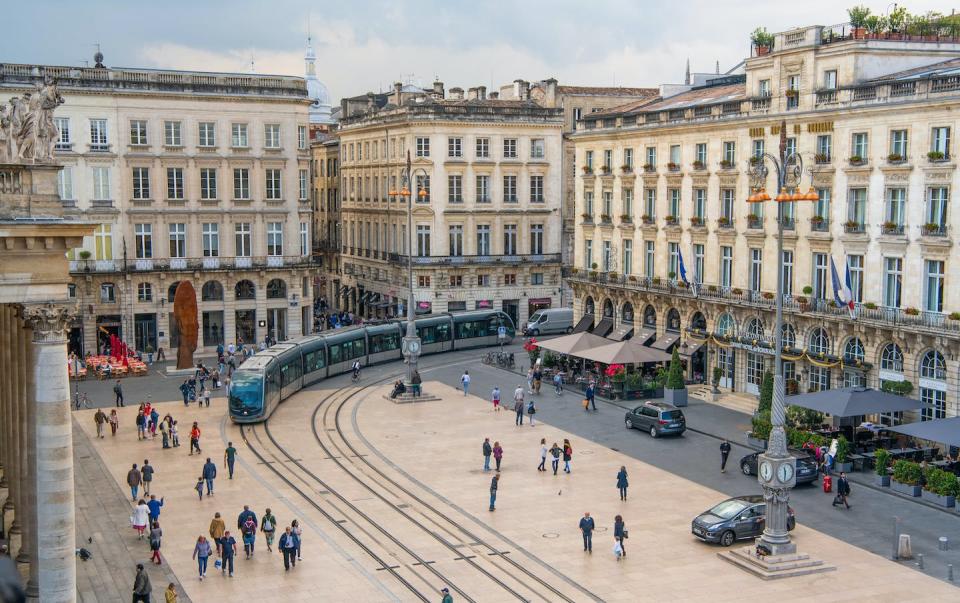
[827,483]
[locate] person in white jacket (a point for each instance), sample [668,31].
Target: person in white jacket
[140,518]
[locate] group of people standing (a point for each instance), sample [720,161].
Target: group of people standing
[225,544]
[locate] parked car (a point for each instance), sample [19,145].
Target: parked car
[549,321]
[734,519]
[806,465]
[657,419]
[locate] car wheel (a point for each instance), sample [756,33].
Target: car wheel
[628,423]
[727,538]
[569,330]
[653,432]
[533,333]
[791,523]
[746,469]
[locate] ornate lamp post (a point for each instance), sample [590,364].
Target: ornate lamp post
[776,470]
[410,345]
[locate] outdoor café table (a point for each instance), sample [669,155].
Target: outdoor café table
[902,451]
[943,463]
[857,460]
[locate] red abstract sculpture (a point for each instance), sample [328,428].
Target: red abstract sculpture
[186,314]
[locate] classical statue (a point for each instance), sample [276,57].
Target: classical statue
[27,129]
[185,313]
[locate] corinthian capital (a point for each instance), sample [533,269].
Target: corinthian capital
[49,321]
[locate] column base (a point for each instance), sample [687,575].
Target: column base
[32,590]
[774,567]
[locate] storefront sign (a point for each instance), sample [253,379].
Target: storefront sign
[484,304]
[752,348]
[886,375]
[927,383]
[424,307]
[541,301]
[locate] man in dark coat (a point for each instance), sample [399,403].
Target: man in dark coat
[724,453]
[843,491]
[209,473]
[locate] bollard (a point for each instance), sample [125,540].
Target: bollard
[896,538]
[950,572]
[944,543]
[920,560]
[904,548]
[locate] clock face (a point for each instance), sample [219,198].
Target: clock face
[766,471]
[413,347]
[785,472]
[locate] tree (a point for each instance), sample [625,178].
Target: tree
[766,392]
[675,376]
[858,16]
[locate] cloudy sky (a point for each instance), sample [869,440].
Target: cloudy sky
[364,45]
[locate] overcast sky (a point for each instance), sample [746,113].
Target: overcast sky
[365,45]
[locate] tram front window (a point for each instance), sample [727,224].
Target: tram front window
[246,393]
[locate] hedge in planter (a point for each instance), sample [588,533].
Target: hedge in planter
[906,477]
[882,458]
[766,392]
[676,390]
[941,487]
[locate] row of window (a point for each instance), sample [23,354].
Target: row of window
[895,207]
[211,291]
[142,187]
[480,280]
[482,193]
[510,148]
[934,273]
[173,134]
[898,149]
[368,235]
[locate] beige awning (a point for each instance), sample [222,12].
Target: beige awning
[621,332]
[666,341]
[624,352]
[603,327]
[643,335]
[569,344]
[585,324]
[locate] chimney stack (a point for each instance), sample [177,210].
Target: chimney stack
[471,94]
[438,89]
[482,92]
[398,94]
[550,93]
[456,93]
[494,95]
[518,88]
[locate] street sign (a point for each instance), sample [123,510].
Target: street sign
[502,332]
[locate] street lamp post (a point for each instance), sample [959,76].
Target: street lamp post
[776,467]
[410,345]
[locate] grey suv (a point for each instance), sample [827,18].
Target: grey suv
[734,519]
[657,419]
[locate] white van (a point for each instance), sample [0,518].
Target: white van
[552,320]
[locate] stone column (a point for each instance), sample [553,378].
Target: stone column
[53,571]
[28,465]
[7,420]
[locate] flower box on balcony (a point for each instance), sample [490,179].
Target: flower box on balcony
[725,164]
[649,167]
[768,295]
[737,291]
[801,300]
[587,217]
[673,167]
[853,226]
[936,156]
[604,218]
[626,168]
[696,221]
[932,228]
[626,218]
[911,312]
[612,276]
[791,93]
[754,160]
[712,288]
[647,219]
[632,278]
[870,306]
[954,316]
[671,220]
[605,170]
[699,165]
[821,158]
[895,158]
[857,160]
[587,169]
[724,221]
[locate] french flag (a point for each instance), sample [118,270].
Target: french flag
[842,293]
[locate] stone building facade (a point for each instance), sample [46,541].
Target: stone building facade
[872,121]
[325,151]
[199,176]
[487,229]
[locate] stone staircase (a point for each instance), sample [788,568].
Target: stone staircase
[774,567]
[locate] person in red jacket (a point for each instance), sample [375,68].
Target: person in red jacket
[194,438]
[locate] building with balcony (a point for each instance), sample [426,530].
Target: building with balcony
[873,121]
[325,149]
[188,175]
[486,203]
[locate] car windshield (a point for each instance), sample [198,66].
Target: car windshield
[536,317]
[728,509]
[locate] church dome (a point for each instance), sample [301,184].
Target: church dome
[320,104]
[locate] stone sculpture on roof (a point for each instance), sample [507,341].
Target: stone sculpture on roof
[28,132]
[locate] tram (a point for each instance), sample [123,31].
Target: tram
[269,377]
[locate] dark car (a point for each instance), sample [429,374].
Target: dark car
[806,465]
[657,419]
[734,519]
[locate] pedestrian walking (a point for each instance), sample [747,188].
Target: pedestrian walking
[228,550]
[170,595]
[288,548]
[217,528]
[415,381]
[140,518]
[247,523]
[446,595]
[298,532]
[201,553]
[147,472]
[494,484]
[587,526]
[487,451]
[154,506]
[530,380]
[165,434]
[537,379]
[141,425]
[531,410]
[155,535]
[567,455]
[724,453]
[185,392]
[465,382]
[206,397]
[100,419]
[229,457]
[175,435]
[118,393]
[543,455]
[133,480]
[622,482]
[194,438]
[558,383]
[209,473]
[199,487]
[843,491]
[495,396]
[497,454]
[518,404]
[268,525]
[154,419]
[141,586]
[619,534]
[591,395]
[114,422]
[555,452]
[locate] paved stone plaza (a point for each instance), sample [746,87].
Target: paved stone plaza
[431,452]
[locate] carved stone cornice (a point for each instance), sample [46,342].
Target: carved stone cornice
[49,321]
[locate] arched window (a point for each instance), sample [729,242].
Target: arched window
[753,329]
[588,306]
[891,358]
[853,350]
[276,289]
[212,291]
[607,309]
[649,317]
[788,336]
[172,291]
[819,341]
[245,290]
[698,321]
[673,320]
[932,366]
[626,313]
[726,326]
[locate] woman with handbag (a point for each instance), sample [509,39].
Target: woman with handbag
[202,552]
[155,535]
[531,410]
[620,533]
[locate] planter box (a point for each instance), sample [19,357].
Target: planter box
[755,443]
[843,467]
[677,397]
[905,488]
[881,480]
[943,501]
[640,394]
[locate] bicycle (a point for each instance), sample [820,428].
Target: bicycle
[81,399]
[488,358]
[355,376]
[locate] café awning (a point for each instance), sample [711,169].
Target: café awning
[603,327]
[666,341]
[689,348]
[643,335]
[854,401]
[621,332]
[945,431]
[585,324]
[624,352]
[575,342]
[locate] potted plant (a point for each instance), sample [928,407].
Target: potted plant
[612,275]
[792,93]
[890,226]
[647,219]
[605,169]
[671,219]
[149,351]
[648,167]
[765,403]
[753,218]
[941,487]
[593,265]
[673,167]
[671,274]
[935,156]
[792,387]
[762,40]
[842,459]
[759,433]
[803,301]
[723,221]
[625,218]
[593,275]
[882,458]
[726,164]
[852,225]
[870,306]
[632,278]
[84,254]
[906,478]
[626,168]
[656,281]
[737,291]
[717,375]
[911,312]
[896,20]
[712,288]
[821,158]
[587,217]
[807,290]
[696,221]
[675,391]
[895,158]
[875,24]
[574,270]
[587,169]
[698,165]
[856,160]
[931,228]
[954,316]
[532,349]
[858,19]
[768,295]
